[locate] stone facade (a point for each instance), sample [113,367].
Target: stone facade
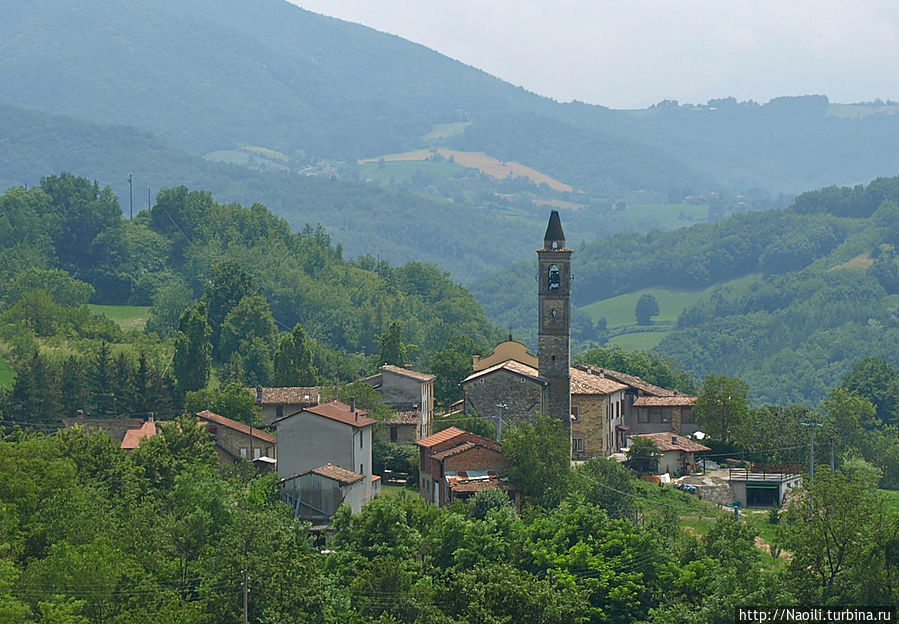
[523,396]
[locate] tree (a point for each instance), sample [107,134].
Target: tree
[841,537]
[227,285]
[878,381]
[293,364]
[391,346]
[722,403]
[606,483]
[451,365]
[170,301]
[232,401]
[646,308]
[643,454]
[250,319]
[36,396]
[192,361]
[539,454]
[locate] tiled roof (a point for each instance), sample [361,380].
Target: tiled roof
[133,437]
[676,400]
[405,372]
[290,395]
[237,426]
[440,436]
[510,365]
[476,486]
[335,410]
[330,471]
[630,380]
[460,448]
[583,382]
[673,442]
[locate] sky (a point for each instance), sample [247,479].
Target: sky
[635,53]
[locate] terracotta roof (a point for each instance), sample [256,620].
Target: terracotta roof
[440,436]
[405,372]
[290,395]
[512,366]
[133,437]
[631,380]
[402,418]
[673,442]
[665,401]
[460,448]
[237,426]
[335,410]
[583,382]
[476,486]
[330,471]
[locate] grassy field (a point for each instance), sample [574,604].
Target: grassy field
[7,375]
[127,317]
[446,130]
[665,216]
[398,170]
[639,341]
[619,311]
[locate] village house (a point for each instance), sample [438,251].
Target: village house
[133,437]
[280,402]
[652,409]
[596,414]
[236,440]
[763,485]
[454,464]
[409,393]
[677,452]
[317,493]
[329,433]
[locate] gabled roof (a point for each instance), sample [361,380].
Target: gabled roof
[441,436]
[133,437]
[583,382]
[630,380]
[290,395]
[676,400]
[512,366]
[403,418]
[673,442]
[330,471]
[455,450]
[554,230]
[337,411]
[406,372]
[258,434]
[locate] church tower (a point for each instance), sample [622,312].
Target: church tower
[554,336]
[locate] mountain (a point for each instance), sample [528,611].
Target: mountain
[208,76]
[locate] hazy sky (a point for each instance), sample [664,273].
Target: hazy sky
[634,53]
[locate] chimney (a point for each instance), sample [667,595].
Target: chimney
[79,413]
[674,439]
[150,419]
[258,395]
[353,404]
[602,374]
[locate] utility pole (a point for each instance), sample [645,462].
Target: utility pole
[246,591]
[499,420]
[148,198]
[811,424]
[130,196]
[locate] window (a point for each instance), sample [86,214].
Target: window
[643,415]
[577,445]
[360,469]
[575,414]
[554,279]
[244,451]
[361,435]
[257,452]
[655,414]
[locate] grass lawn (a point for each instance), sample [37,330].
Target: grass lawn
[127,317]
[639,341]
[7,375]
[396,491]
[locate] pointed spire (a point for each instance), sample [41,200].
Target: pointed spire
[554,237]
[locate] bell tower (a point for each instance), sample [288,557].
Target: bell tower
[554,335]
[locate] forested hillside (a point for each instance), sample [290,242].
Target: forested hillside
[826,296]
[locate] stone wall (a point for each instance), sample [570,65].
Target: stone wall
[592,425]
[524,397]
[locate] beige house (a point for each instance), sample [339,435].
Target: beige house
[596,414]
[406,391]
[330,433]
[504,351]
[235,440]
